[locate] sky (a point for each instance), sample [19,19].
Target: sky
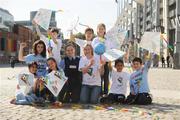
[90,12]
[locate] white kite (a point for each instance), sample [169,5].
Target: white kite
[43,17]
[113,54]
[55,81]
[151,42]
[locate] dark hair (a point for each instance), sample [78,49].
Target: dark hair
[118,61]
[51,58]
[31,64]
[69,44]
[89,30]
[55,30]
[137,59]
[35,48]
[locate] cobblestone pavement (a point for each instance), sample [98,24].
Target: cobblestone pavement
[164,85]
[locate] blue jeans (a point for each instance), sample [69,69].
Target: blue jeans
[22,99]
[90,94]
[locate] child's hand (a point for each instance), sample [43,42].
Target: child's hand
[18,87]
[84,70]
[23,45]
[50,51]
[34,23]
[92,61]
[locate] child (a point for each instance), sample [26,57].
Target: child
[52,42]
[27,97]
[52,65]
[101,31]
[89,33]
[38,56]
[119,85]
[91,84]
[70,64]
[139,88]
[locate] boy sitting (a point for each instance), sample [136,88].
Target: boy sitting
[139,88]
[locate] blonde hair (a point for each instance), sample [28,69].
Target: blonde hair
[88,45]
[101,25]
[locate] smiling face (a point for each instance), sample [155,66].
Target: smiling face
[88,50]
[136,65]
[101,30]
[40,48]
[52,65]
[70,51]
[54,34]
[88,35]
[119,67]
[33,69]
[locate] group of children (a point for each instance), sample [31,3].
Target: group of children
[88,75]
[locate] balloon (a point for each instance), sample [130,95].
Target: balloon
[99,48]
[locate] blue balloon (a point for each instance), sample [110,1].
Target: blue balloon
[99,48]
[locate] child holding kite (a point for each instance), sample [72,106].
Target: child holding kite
[52,42]
[27,96]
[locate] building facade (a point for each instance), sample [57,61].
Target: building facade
[6,20]
[158,16]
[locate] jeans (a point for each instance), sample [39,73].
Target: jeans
[22,99]
[90,94]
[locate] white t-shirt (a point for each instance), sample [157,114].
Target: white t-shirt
[93,76]
[56,48]
[119,82]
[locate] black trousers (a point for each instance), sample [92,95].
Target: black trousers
[140,99]
[73,92]
[70,93]
[113,98]
[105,79]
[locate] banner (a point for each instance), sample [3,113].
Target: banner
[81,42]
[55,81]
[113,54]
[43,17]
[116,36]
[26,79]
[151,42]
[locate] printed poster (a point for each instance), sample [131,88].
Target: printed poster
[43,17]
[55,81]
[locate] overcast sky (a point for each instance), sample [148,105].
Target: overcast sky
[90,12]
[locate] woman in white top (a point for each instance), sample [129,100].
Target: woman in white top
[91,83]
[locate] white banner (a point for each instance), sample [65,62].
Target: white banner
[55,81]
[151,42]
[113,54]
[116,36]
[43,17]
[25,82]
[26,79]
[80,42]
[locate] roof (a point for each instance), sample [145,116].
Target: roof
[6,11]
